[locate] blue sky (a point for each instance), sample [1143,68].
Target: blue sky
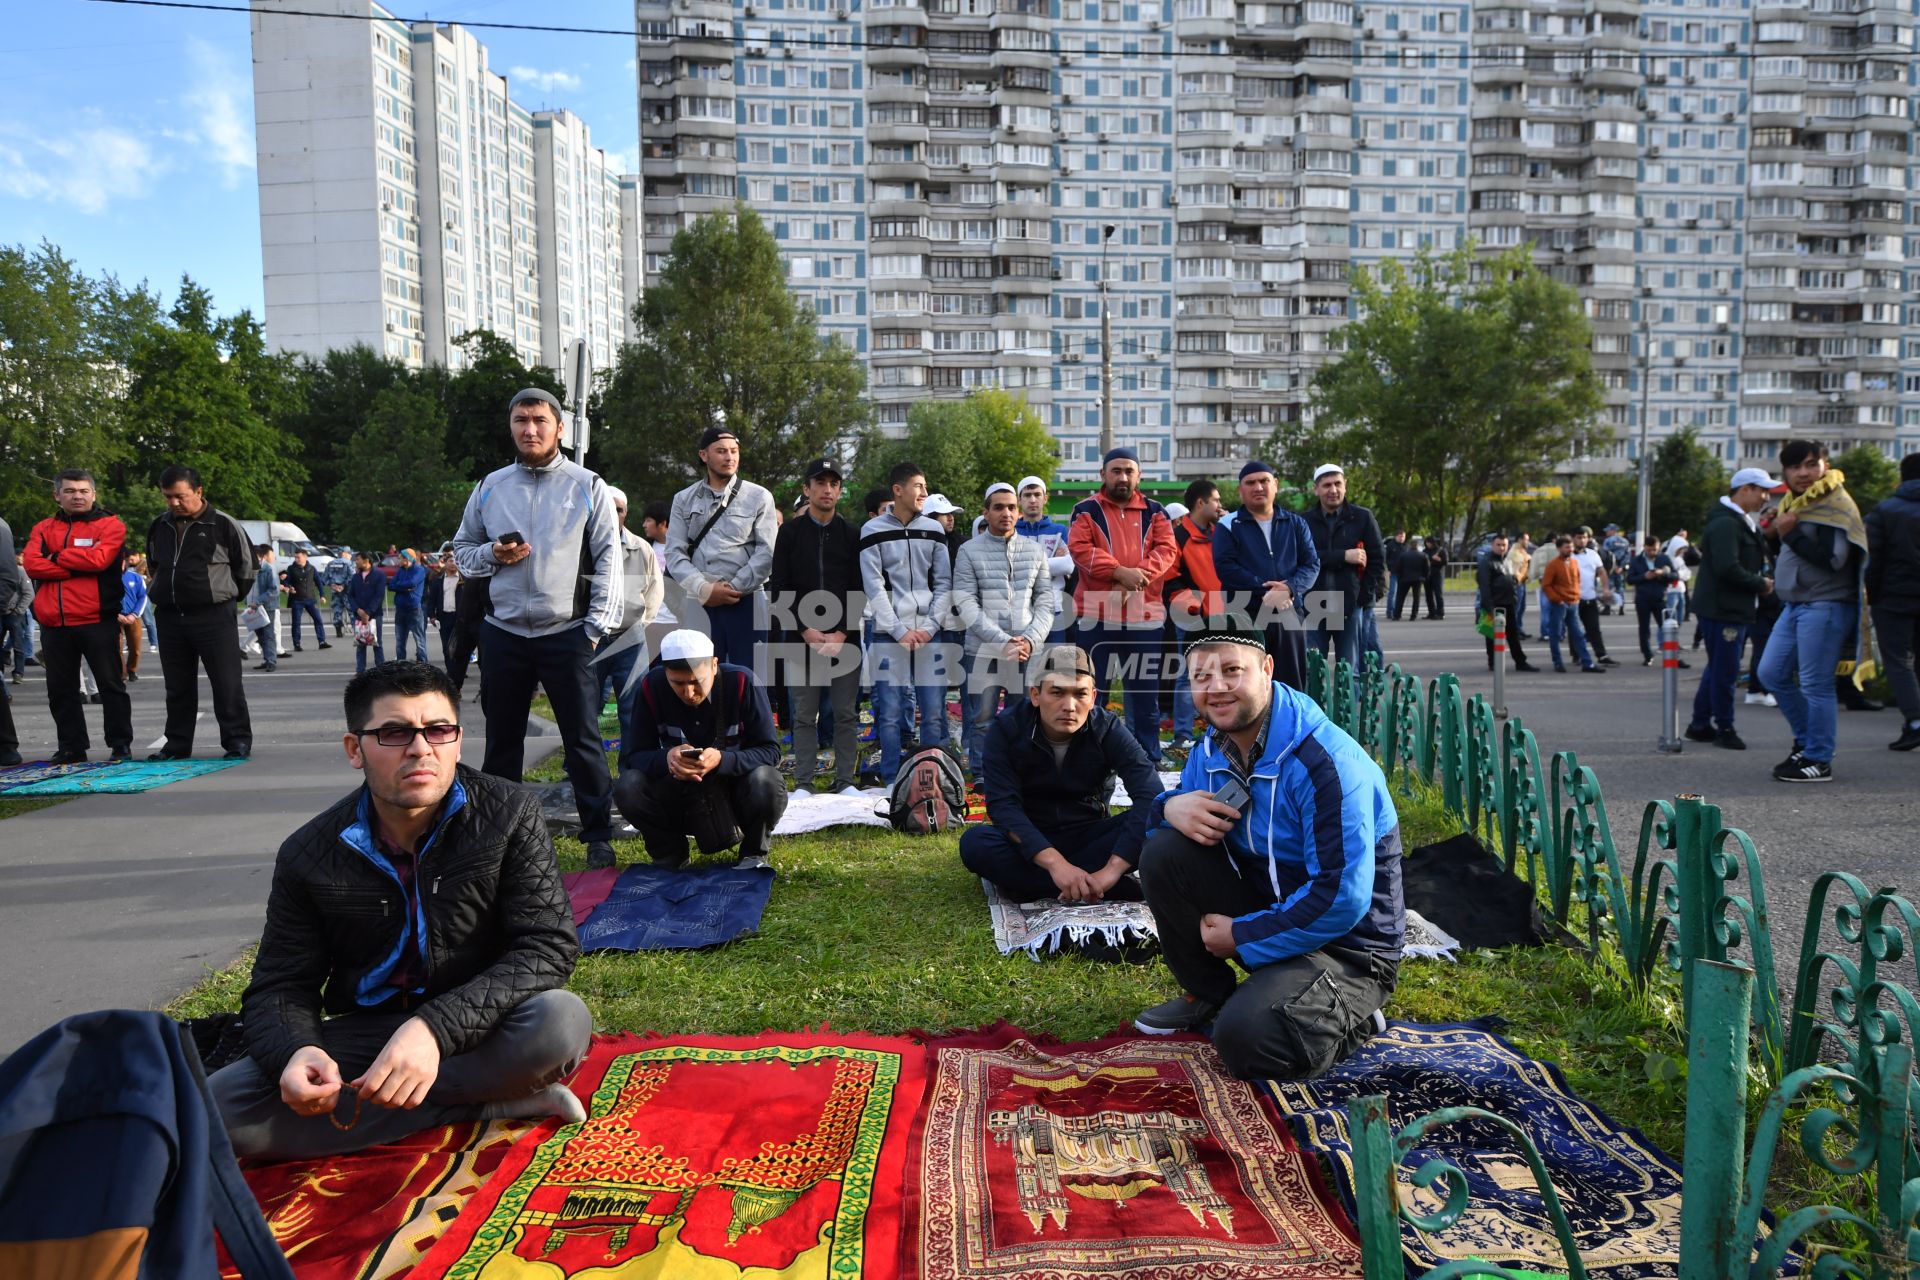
[126,134]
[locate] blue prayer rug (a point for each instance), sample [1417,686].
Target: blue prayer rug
[119,777]
[1620,1193]
[655,909]
[17,776]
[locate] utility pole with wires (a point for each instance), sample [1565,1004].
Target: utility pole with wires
[1644,495]
[1107,440]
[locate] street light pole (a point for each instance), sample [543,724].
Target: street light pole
[1107,440]
[1644,496]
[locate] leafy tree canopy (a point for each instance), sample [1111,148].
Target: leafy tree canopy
[720,335]
[1871,475]
[963,446]
[396,485]
[1462,377]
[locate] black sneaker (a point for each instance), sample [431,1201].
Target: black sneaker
[1700,733]
[158,756]
[325,645]
[1909,739]
[237,755]
[1646,662]
[1182,1013]
[1594,670]
[132,676]
[599,855]
[10,758]
[1605,661]
[1730,740]
[67,757]
[120,753]
[1802,770]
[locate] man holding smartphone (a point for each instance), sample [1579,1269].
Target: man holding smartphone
[1280,849]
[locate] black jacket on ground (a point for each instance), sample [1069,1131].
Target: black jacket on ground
[1333,536]
[1029,796]
[1732,555]
[809,557]
[498,926]
[210,562]
[1893,551]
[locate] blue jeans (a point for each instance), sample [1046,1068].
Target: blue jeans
[902,679]
[1713,700]
[15,634]
[1345,641]
[269,655]
[312,611]
[1370,636]
[1566,617]
[379,648]
[408,620]
[1131,655]
[1520,607]
[616,670]
[1806,643]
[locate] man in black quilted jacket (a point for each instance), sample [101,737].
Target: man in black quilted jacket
[417,947]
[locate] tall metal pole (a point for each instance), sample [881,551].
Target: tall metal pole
[1644,497]
[1107,440]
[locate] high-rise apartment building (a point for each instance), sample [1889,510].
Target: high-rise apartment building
[960,186]
[407,199]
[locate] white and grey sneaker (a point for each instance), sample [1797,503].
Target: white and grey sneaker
[1762,699]
[1798,768]
[1182,1013]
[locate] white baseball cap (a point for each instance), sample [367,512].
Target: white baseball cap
[938,505]
[1032,482]
[1753,475]
[686,645]
[1328,469]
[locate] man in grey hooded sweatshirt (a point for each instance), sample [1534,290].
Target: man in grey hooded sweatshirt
[543,530]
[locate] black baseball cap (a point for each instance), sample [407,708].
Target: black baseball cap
[821,467]
[712,434]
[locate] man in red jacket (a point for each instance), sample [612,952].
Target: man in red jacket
[75,557]
[1122,544]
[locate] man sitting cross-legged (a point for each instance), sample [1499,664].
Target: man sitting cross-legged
[703,742]
[1298,879]
[417,945]
[1050,762]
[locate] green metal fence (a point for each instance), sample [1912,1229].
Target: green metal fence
[1691,901]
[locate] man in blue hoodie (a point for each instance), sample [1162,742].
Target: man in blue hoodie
[1267,565]
[1293,870]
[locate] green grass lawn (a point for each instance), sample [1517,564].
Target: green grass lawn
[869,930]
[27,804]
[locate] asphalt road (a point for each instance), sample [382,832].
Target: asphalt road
[126,901]
[1859,822]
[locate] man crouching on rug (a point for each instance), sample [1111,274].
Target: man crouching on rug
[417,945]
[1280,849]
[1050,762]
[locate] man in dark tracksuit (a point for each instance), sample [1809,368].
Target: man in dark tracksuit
[701,723]
[1726,588]
[815,589]
[202,560]
[1050,762]
[1650,573]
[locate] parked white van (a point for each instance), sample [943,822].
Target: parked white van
[285,538]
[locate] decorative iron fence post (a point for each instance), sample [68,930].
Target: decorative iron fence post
[1376,1190]
[1716,1139]
[1696,826]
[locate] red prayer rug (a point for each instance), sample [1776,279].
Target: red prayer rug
[706,1157]
[586,890]
[1124,1157]
[373,1215]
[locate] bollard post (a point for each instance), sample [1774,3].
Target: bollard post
[1500,664]
[1669,685]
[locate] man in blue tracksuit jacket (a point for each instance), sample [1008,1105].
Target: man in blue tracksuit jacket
[1300,884]
[1267,564]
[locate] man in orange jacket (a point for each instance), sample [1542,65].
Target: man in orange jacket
[75,558]
[1560,585]
[1122,544]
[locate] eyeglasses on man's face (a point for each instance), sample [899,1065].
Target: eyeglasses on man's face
[402,735]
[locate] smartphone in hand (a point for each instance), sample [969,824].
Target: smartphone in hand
[510,539]
[1234,794]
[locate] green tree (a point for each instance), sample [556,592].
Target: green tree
[336,392]
[1871,475]
[963,446]
[476,398]
[186,407]
[63,342]
[1688,478]
[396,484]
[1462,377]
[720,334]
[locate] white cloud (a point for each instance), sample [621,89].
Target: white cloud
[221,125]
[544,81]
[88,168]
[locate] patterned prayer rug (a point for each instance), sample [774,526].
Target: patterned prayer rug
[14,777]
[121,777]
[372,1215]
[1129,1157]
[1621,1194]
[707,1158]
[1051,925]
[809,810]
[655,909]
